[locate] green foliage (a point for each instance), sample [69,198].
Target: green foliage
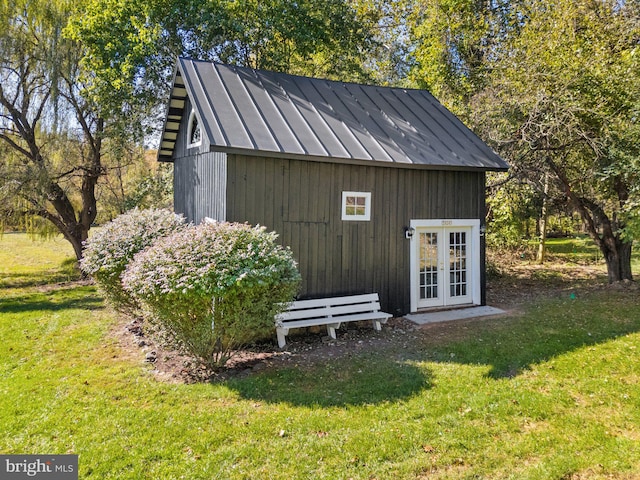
[452,44]
[214,287]
[561,98]
[626,167]
[505,230]
[510,208]
[135,179]
[131,46]
[153,188]
[117,36]
[108,252]
[554,88]
[50,136]
[387,59]
[306,37]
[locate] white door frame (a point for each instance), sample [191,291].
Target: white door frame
[473,255]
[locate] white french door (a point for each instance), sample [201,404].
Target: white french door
[445,263]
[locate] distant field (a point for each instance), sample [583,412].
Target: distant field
[580,248]
[25,261]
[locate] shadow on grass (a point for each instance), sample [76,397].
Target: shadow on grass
[511,345]
[357,380]
[26,281]
[84,298]
[68,271]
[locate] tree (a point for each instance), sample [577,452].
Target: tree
[562,98]
[133,179]
[52,136]
[74,94]
[511,204]
[453,43]
[132,46]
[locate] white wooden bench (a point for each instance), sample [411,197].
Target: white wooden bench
[330,312]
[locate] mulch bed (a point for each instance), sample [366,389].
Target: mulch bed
[516,284]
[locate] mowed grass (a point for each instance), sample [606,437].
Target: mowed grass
[551,392]
[581,249]
[26,262]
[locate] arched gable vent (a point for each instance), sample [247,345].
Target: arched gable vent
[194,132]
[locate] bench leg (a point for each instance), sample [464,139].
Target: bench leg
[376,325]
[282,333]
[331,329]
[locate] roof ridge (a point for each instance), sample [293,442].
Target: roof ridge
[271,113]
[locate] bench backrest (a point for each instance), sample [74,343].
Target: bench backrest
[333,306]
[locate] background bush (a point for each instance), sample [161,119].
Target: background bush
[214,287]
[112,246]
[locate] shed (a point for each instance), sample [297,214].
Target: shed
[375,189]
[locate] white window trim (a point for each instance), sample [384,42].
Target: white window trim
[190,131]
[367,206]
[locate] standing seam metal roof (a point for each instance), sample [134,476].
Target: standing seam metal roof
[276,114]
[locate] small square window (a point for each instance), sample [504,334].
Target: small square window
[356,206]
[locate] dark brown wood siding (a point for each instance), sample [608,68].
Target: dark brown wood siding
[301,200]
[199,186]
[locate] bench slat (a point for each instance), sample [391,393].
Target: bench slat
[332,301]
[312,322]
[331,312]
[358,308]
[306,313]
[337,320]
[328,311]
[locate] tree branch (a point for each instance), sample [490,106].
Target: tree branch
[14,145]
[577,202]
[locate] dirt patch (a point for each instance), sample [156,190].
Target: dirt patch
[303,349]
[515,285]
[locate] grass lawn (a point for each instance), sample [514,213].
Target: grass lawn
[549,392]
[580,249]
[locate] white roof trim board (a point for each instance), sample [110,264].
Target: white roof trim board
[275,114]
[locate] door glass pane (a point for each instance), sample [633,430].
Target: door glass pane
[457,264]
[428,265]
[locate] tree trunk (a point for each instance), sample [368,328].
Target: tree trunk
[72,231]
[76,242]
[616,252]
[617,255]
[544,214]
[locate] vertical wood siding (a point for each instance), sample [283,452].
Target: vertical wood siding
[199,176]
[199,185]
[301,201]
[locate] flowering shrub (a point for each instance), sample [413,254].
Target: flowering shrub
[112,247]
[214,287]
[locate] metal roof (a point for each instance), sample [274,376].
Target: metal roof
[276,114]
